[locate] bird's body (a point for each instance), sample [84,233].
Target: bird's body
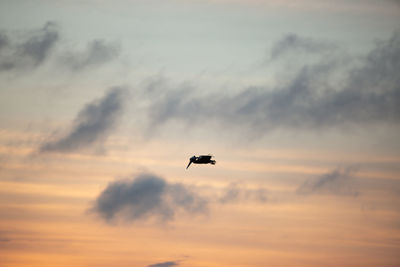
[202,159]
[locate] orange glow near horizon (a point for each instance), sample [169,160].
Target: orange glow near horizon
[45,222]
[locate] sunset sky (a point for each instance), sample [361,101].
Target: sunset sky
[102,103]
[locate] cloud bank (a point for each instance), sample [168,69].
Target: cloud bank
[327,93]
[92,125]
[146,197]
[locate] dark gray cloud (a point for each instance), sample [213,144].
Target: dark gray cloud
[146,197]
[98,52]
[328,93]
[239,193]
[336,182]
[292,43]
[92,125]
[29,52]
[164,264]
[151,197]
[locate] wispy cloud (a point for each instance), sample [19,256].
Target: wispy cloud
[98,52]
[4,42]
[31,51]
[146,197]
[235,192]
[294,44]
[164,264]
[3,240]
[336,182]
[92,125]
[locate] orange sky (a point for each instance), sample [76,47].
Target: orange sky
[45,221]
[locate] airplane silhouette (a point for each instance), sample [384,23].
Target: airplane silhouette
[202,159]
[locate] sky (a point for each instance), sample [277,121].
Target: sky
[102,103]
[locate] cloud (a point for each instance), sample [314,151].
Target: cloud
[38,46]
[325,94]
[31,52]
[98,52]
[239,193]
[164,264]
[146,197]
[3,41]
[292,43]
[35,47]
[150,197]
[92,125]
[3,240]
[336,182]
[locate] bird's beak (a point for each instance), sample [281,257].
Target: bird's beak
[190,162]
